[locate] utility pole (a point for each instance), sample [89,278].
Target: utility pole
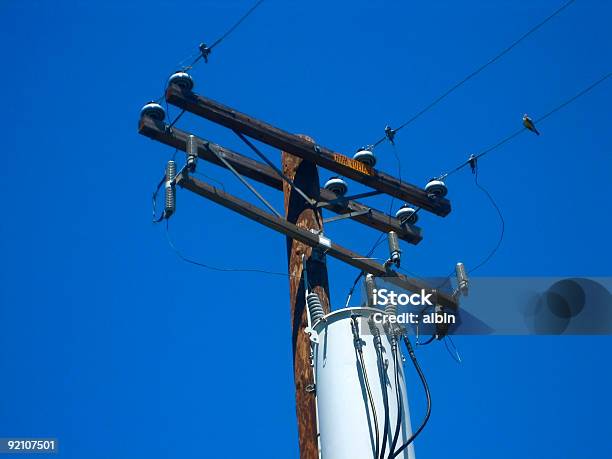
[307,248]
[304,175]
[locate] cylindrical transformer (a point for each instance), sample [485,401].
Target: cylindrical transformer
[345,417]
[192,153]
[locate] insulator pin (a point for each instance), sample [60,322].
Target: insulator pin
[462,279]
[394,248]
[192,153]
[370,285]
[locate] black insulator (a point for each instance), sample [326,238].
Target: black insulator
[192,153]
[170,190]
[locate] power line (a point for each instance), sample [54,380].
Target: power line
[477,71]
[503,224]
[205,50]
[523,129]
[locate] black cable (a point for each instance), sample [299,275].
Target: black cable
[503,224]
[398,393]
[455,355]
[215,268]
[178,117]
[432,337]
[523,129]
[383,386]
[364,371]
[479,69]
[352,289]
[417,367]
[429,340]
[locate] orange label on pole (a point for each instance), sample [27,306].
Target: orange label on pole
[353,164]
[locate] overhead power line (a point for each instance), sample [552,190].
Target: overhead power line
[523,129]
[501,218]
[206,50]
[475,72]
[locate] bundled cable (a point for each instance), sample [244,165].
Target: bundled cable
[359,350]
[417,367]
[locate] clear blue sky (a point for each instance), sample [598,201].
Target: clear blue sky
[117,348]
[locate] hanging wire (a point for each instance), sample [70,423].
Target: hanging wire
[501,218]
[216,268]
[157,219]
[477,71]
[356,281]
[455,352]
[417,367]
[205,50]
[523,129]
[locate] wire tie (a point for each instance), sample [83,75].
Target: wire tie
[473,162]
[390,133]
[205,50]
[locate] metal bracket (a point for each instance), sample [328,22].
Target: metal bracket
[343,200]
[314,336]
[347,215]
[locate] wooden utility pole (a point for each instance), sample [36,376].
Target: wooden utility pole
[305,175]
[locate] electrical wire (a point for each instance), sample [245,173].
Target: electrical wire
[207,49]
[216,268]
[382,374]
[523,129]
[417,367]
[478,70]
[356,281]
[371,400]
[366,381]
[398,393]
[501,218]
[455,353]
[178,117]
[157,219]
